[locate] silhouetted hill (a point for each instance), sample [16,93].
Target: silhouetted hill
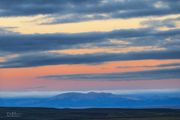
[97,100]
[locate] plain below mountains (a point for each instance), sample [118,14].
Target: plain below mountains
[29,113]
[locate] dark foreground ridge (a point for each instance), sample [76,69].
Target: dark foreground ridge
[8,113]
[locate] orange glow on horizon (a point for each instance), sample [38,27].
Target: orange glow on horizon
[21,78]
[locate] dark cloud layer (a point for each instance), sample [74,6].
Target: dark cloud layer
[170,65]
[44,59]
[83,10]
[149,66]
[33,50]
[18,43]
[170,23]
[159,74]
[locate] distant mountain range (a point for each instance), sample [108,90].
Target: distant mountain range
[97,100]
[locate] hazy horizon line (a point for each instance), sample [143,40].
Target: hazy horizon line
[8,94]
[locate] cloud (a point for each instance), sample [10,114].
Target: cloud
[18,43]
[159,74]
[82,10]
[149,66]
[19,50]
[43,42]
[6,31]
[170,65]
[46,58]
[170,23]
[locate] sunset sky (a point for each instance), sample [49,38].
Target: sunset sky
[89,45]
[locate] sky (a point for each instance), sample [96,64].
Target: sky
[89,45]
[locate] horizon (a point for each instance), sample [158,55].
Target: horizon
[39,94]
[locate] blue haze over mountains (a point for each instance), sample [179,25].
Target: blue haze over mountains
[97,100]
